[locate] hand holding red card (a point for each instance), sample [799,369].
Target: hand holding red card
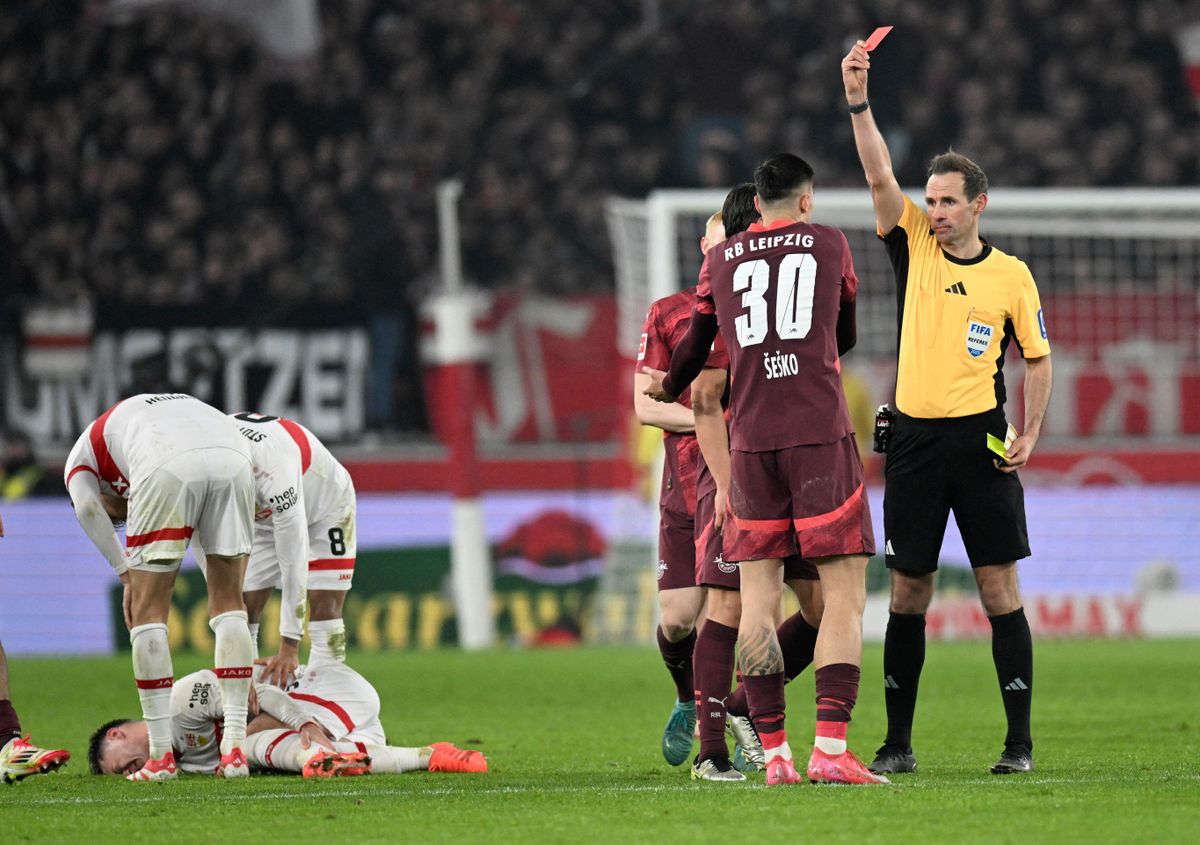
[878,35]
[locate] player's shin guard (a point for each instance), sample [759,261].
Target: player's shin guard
[154,675]
[767,704]
[713,664]
[678,659]
[903,659]
[1012,651]
[837,691]
[254,638]
[394,760]
[328,638]
[234,666]
[797,642]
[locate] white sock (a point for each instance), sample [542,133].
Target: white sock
[782,750]
[328,642]
[254,638]
[394,760]
[281,751]
[234,665]
[154,675]
[830,746]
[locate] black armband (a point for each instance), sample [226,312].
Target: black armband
[859,108]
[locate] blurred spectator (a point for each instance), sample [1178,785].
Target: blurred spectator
[20,474]
[156,159]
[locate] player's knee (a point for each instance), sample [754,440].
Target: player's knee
[675,629]
[725,607]
[911,593]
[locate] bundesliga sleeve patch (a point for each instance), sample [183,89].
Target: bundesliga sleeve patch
[1042,324]
[642,346]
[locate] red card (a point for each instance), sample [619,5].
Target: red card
[876,36]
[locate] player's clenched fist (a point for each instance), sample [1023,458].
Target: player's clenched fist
[655,389]
[854,73]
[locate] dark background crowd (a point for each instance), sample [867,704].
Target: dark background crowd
[160,159]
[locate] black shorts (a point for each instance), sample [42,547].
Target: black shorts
[935,466]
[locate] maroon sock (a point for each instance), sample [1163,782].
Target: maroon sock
[713,664]
[837,690]
[10,725]
[797,641]
[767,705]
[678,658]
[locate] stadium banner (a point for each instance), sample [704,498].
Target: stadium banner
[571,566]
[313,375]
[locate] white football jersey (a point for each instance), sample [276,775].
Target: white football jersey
[139,434]
[298,483]
[197,715]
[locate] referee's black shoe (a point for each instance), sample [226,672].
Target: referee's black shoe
[1013,761]
[890,759]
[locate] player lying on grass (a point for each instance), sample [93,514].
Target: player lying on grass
[325,725]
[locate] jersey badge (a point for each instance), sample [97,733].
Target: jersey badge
[979,337]
[642,347]
[662,569]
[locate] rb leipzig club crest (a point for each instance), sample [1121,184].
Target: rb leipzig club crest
[979,337]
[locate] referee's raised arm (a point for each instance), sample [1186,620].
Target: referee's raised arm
[872,150]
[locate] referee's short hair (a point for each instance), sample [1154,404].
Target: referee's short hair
[780,176]
[975,181]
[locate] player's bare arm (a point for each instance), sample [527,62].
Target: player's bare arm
[872,149]
[1038,380]
[711,433]
[668,415]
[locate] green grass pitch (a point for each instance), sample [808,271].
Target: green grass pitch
[573,737]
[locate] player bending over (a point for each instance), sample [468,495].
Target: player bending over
[325,725]
[173,468]
[304,540]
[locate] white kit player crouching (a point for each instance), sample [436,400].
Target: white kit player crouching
[304,540]
[172,468]
[325,725]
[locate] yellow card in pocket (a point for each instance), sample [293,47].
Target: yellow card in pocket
[1000,447]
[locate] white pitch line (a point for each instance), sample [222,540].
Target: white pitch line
[169,793]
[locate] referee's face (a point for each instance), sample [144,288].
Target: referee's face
[952,218]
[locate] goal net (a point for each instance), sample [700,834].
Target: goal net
[1118,273]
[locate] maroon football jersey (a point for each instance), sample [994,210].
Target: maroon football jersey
[666,323]
[776,291]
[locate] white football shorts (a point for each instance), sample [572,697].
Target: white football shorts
[332,546]
[207,493]
[340,699]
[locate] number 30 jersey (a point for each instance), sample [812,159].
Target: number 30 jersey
[776,290]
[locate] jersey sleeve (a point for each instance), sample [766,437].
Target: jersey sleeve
[290,525]
[81,459]
[653,351]
[849,277]
[718,356]
[704,298]
[913,222]
[1029,323]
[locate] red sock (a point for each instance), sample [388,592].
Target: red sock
[713,662]
[837,691]
[767,705]
[10,725]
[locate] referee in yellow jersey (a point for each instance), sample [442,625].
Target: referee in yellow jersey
[961,302]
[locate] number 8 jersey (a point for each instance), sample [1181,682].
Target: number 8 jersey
[777,290]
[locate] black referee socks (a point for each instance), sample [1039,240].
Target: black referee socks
[903,658]
[1012,651]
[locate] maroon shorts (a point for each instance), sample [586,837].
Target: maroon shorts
[711,560]
[711,567]
[676,550]
[806,500]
